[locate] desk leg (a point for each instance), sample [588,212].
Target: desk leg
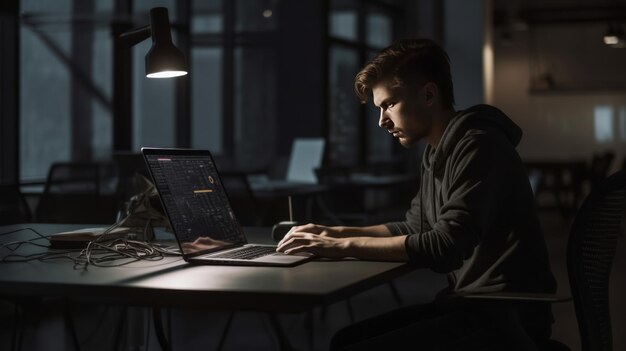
[70,325]
[310,325]
[395,293]
[229,321]
[283,341]
[18,328]
[158,329]
[121,324]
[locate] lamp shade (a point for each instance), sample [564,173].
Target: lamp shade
[614,36]
[163,60]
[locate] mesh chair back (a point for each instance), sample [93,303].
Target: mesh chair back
[13,205]
[591,249]
[600,166]
[242,200]
[79,192]
[73,178]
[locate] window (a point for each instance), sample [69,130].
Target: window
[603,123]
[344,109]
[206,99]
[357,30]
[45,126]
[234,50]
[234,79]
[255,107]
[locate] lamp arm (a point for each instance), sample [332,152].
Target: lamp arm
[135,36]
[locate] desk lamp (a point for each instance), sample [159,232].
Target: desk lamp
[614,37]
[163,60]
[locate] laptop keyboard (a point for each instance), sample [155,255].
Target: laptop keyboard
[247,253]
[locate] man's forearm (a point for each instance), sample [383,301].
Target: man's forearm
[371,248]
[371,231]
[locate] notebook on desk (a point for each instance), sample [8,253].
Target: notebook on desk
[199,211]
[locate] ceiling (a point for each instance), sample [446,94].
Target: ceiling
[555,12]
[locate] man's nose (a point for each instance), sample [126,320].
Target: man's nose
[383,120]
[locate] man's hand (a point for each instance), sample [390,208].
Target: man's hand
[368,243]
[322,230]
[318,244]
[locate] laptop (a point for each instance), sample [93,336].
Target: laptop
[306,156]
[199,211]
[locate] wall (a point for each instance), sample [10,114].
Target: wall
[464,39]
[577,116]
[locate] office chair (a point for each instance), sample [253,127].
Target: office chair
[129,164]
[247,207]
[599,167]
[79,192]
[13,205]
[590,252]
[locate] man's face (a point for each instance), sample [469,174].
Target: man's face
[403,113]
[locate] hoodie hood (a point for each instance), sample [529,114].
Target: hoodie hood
[479,117]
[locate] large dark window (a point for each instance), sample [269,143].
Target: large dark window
[65,90]
[254,82]
[357,30]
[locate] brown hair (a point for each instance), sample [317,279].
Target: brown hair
[408,63]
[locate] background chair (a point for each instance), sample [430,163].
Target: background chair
[13,205]
[246,206]
[590,252]
[559,181]
[128,165]
[600,167]
[79,192]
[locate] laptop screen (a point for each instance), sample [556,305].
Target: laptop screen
[194,199]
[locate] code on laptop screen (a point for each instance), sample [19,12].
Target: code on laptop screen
[195,201]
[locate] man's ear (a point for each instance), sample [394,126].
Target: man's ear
[431,94]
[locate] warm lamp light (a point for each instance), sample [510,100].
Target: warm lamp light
[614,37]
[163,60]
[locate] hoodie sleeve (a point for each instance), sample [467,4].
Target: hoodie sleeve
[413,222]
[475,185]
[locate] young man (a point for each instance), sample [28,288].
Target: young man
[474,216]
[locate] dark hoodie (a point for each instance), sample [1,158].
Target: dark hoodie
[474,217]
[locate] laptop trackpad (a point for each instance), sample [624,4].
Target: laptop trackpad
[280,258]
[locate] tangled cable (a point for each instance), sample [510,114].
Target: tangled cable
[105,251]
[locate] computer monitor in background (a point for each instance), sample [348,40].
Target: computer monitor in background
[306,156]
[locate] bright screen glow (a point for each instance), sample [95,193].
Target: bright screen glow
[603,123]
[611,39]
[166,74]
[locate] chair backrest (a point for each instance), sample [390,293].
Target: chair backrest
[129,164]
[79,192]
[242,200]
[590,252]
[13,205]
[600,166]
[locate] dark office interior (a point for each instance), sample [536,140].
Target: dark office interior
[76,108]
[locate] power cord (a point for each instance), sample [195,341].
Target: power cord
[101,252]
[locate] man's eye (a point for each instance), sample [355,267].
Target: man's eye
[391,105]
